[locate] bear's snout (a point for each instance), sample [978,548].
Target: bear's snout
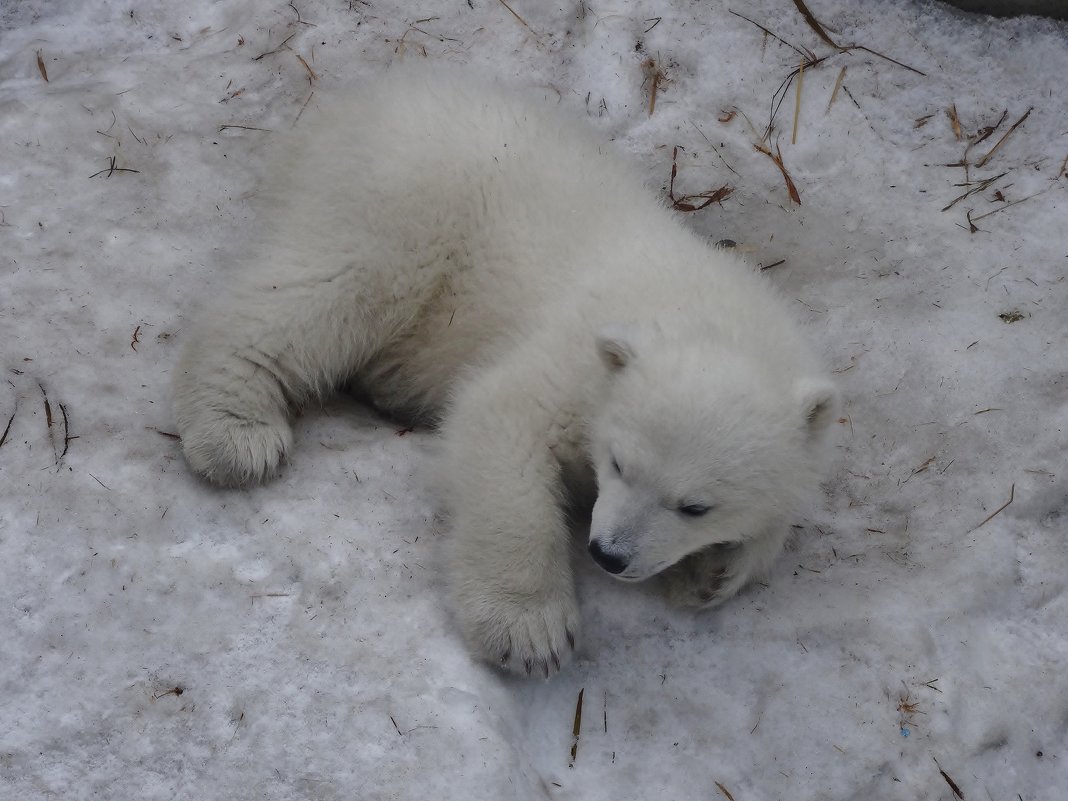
[611,562]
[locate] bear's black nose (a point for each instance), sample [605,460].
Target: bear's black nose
[609,561]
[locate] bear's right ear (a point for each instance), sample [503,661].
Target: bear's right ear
[614,346]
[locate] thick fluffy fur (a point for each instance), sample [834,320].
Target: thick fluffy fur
[472,256]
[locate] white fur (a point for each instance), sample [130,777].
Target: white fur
[471,256]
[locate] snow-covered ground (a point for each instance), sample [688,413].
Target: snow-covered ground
[162,639]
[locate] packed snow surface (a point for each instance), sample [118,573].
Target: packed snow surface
[162,639]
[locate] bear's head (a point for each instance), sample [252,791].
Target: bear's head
[696,445]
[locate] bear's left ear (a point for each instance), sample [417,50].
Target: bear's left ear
[614,346]
[818,401]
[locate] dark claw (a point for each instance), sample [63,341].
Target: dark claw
[556,663]
[506,655]
[529,665]
[570,638]
[545,667]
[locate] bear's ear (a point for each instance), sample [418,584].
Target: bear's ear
[818,401]
[614,346]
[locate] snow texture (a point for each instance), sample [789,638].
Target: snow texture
[162,639]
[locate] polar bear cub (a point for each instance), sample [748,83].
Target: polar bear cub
[473,257]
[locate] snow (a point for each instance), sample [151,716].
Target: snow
[165,640]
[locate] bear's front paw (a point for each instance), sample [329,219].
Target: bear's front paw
[233,450]
[526,634]
[706,578]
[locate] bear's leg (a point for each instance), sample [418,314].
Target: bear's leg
[510,564]
[715,574]
[280,338]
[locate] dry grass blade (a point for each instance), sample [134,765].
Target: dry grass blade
[984,133]
[978,188]
[304,106]
[815,23]
[797,101]
[41,66]
[821,32]
[1004,136]
[1008,206]
[716,149]
[725,791]
[952,784]
[784,87]
[885,57]
[312,75]
[791,188]
[837,86]
[685,203]
[655,77]
[277,49]
[808,54]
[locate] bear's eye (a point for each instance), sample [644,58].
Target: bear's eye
[616,467]
[694,509]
